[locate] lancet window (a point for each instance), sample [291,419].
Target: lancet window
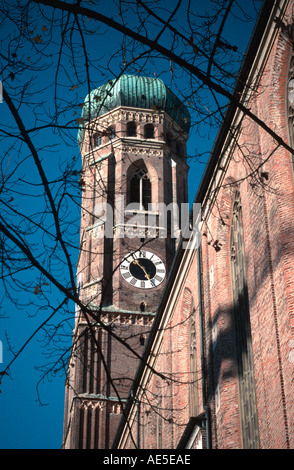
[140,189]
[242,331]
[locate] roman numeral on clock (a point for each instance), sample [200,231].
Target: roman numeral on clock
[126,275]
[123,266]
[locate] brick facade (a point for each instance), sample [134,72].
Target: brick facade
[248,162]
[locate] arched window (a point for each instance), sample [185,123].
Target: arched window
[97,140]
[140,189]
[111,132]
[131,129]
[149,131]
[242,331]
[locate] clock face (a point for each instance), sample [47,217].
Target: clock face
[143,269]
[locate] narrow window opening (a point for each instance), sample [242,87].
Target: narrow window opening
[146,190]
[242,331]
[111,133]
[140,189]
[131,129]
[149,131]
[97,140]
[135,189]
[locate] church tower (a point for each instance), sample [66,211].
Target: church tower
[132,138]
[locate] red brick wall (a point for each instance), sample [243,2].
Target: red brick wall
[268,214]
[268,207]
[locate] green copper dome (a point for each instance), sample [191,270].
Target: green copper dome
[137,92]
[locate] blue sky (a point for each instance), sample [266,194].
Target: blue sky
[25,423]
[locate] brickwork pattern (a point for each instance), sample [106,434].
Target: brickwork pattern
[267,199]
